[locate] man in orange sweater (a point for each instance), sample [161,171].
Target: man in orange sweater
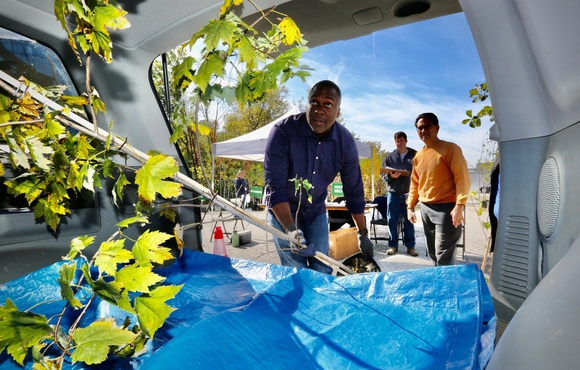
[440,181]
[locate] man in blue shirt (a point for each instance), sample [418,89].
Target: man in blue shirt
[241,187]
[312,146]
[398,187]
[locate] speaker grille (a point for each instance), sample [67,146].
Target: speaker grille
[513,279]
[548,197]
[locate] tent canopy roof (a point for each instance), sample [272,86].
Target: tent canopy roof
[252,146]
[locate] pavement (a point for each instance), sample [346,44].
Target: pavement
[262,248]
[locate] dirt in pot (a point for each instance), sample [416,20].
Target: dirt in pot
[359,265]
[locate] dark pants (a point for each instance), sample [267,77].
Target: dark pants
[440,234]
[397,207]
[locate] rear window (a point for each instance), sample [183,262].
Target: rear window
[21,56]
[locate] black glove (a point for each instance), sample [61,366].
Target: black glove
[366,246]
[303,249]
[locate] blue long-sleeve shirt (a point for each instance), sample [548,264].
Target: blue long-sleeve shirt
[294,151]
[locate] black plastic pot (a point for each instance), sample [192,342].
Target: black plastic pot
[358,264]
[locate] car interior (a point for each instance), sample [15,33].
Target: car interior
[529,53]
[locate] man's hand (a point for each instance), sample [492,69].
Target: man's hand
[302,249]
[457,214]
[395,174]
[367,247]
[411,216]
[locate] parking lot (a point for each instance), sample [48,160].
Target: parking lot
[262,248]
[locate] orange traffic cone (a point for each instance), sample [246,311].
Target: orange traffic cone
[219,245]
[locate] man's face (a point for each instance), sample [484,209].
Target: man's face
[322,110]
[401,144]
[426,130]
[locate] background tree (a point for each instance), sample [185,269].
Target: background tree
[241,120]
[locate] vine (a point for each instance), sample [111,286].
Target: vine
[57,156]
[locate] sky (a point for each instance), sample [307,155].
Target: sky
[388,78]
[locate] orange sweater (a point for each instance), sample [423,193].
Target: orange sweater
[439,175]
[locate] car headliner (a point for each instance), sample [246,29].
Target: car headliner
[160,25]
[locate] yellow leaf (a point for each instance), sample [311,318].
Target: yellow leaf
[290,31]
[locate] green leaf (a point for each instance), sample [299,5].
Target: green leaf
[91,344]
[111,17]
[248,54]
[131,220]
[51,210]
[54,128]
[219,30]
[137,278]
[108,167]
[66,276]
[152,311]
[110,254]
[78,101]
[212,65]
[120,187]
[147,249]
[150,178]
[77,245]
[110,292]
[182,73]
[19,331]
[30,187]
[169,213]
[124,302]
[83,147]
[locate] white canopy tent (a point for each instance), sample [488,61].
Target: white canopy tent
[252,146]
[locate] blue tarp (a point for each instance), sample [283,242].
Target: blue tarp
[238,314]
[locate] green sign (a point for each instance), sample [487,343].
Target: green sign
[256,191]
[336,189]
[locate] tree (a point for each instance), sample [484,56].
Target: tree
[479,94]
[53,161]
[241,120]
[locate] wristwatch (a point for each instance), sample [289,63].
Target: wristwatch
[363,232]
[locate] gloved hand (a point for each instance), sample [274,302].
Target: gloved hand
[303,249]
[367,247]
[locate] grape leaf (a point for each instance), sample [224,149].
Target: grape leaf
[110,254]
[66,276]
[248,53]
[290,31]
[17,155]
[137,278]
[152,310]
[21,330]
[169,213]
[218,30]
[37,152]
[107,291]
[92,343]
[131,220]
[147,249]
[227,4]
[213,65]
[77,245]
[150,178]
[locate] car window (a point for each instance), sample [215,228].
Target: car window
[21,56]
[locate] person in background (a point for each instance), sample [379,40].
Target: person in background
[312,146]
[241,187]
[440,181]
[398,189]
